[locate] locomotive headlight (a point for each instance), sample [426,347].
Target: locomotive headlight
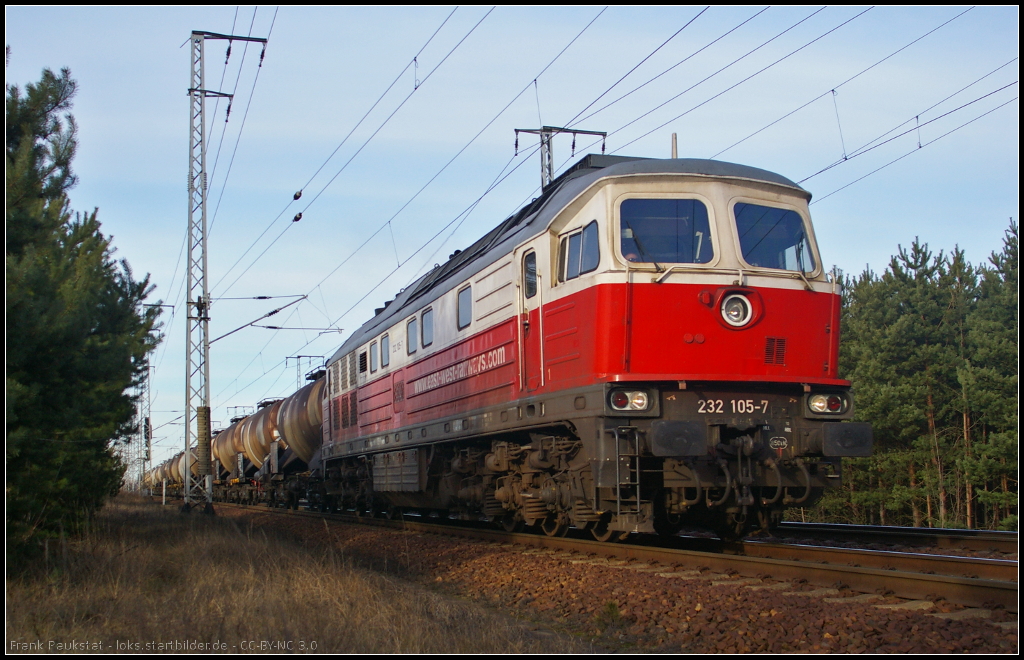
[736,310]
[827,403]
[629,400]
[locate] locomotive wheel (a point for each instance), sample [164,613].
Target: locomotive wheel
[666,526]
[511,523]
[730,529]
[392,512]
[554,526]
[665,523]
[601,533]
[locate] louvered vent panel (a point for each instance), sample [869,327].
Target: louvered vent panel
[775,350]
[352,374]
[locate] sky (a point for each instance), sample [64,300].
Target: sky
[915,109]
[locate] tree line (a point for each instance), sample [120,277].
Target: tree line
[77,331]
[930,346]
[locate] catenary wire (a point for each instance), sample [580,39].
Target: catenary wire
[358,151]
[638,64]
[459,153]
[291,201]
[234,90]
[850,79]
[731,87]
[245,116]
[915,150]
[864,150]
[677,64]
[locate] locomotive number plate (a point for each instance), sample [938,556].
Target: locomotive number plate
[735,406]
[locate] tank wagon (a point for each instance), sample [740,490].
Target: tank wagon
[648,344]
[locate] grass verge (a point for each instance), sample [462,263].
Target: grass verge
[146,578]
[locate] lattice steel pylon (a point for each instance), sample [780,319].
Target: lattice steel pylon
[197,348]
[145,446]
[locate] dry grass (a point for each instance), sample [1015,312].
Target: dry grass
[150,575]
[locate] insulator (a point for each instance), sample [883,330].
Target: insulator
[298,216]
[297,195]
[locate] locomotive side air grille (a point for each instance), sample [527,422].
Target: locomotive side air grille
[336,417]
[353,415]
[341,412]
[341,376]
[352,376]
[775,350]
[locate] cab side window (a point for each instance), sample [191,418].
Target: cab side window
[579,253]
[530,274]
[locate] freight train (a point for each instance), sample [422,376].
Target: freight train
[650,344]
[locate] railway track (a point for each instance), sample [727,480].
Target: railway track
[969,581]
[967,539]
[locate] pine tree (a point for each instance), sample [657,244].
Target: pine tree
[989,380]
[77,333]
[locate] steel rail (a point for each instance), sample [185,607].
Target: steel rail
[968,591]
[912,562]
[971,539]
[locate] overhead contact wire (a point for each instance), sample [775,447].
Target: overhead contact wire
[245,116]
[463,149]
[915,150]
[674,66]
[850,79]
[862,151]
[359,123]
[638,64]
[363,146]
[757,73]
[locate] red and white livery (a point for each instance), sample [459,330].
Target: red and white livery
[647,344]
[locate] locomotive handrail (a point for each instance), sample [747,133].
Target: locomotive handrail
[697,268]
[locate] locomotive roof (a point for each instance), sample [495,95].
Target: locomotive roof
[533,219]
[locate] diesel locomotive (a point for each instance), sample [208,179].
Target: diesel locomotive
[650,344]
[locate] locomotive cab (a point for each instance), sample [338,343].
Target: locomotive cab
[695,292]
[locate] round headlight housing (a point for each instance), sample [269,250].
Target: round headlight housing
[736,310]
[818,403]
